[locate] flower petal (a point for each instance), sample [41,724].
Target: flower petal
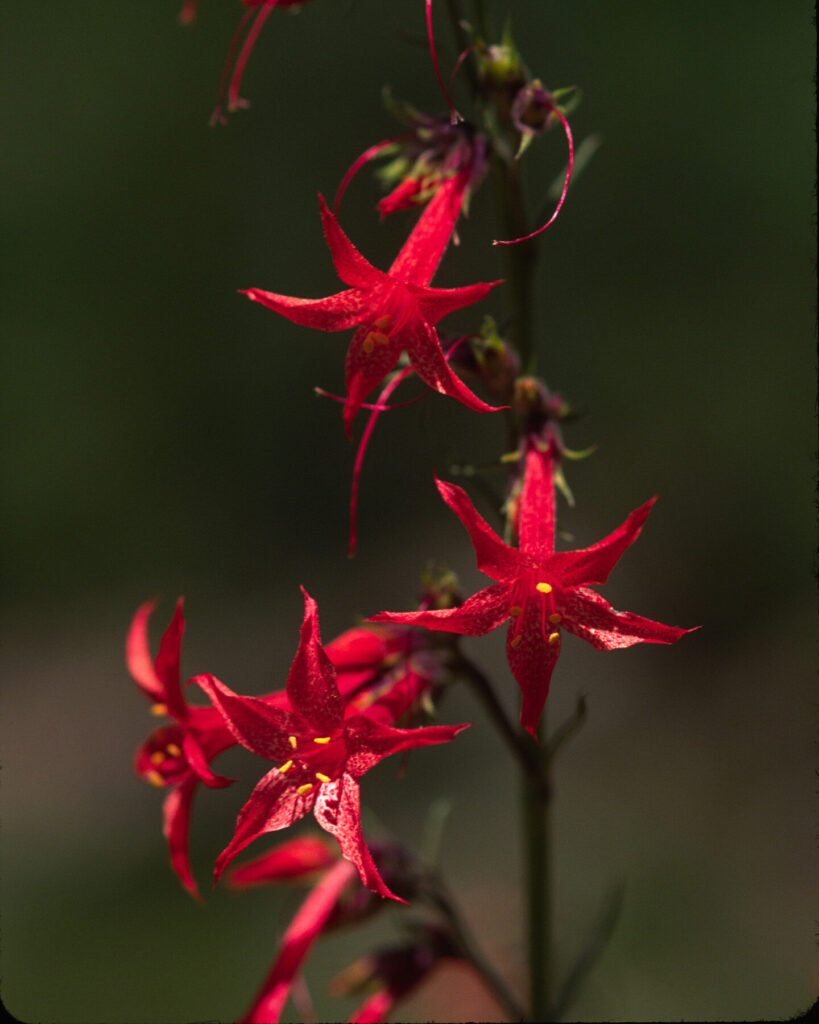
[436,303]
[532,660]
[337,312]
[420,255]
[479,614]
[367,364]
[304,929]
[198,761]
[351,266]
[167,665]
[495,559]
[593,564]
[420,339]
[260,728]
[311,683]
[369,741]
[273,805]
[138,654]
[176,813]
[536,513]
[295,858]
[338,811]
[591,617]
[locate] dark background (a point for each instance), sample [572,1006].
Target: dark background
[161,437]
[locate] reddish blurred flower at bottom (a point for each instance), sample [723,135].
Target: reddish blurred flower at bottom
[394,972]
[175,755]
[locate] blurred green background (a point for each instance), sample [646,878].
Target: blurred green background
[162,437]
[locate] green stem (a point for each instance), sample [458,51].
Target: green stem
[536,805]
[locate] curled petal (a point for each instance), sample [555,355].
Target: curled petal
[138,654]
[198,761]
[167,665]
[273,805]
[338,811]
[359,162]
[176,814]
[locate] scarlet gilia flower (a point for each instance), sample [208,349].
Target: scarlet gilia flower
[175,755]
[539,591]
[394,312]
[250,23]
[394,972]
[322,754]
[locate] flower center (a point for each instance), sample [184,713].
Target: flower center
[161,761]
[314,762]
[531,589]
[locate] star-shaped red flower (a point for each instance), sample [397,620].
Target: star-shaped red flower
[393,312]
[540,591]
[174,755]
[322,753]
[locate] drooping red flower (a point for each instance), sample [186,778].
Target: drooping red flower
[540,591]
[174,755]
[395,311]
[322,753]
[230,84]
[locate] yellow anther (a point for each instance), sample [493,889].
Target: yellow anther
[155,779]
[516,641]
[159,709]
[321,739]
[516,610]
[173,750]
[292,741]
[383,323]
[157,757]
[368,344]
[544,588]
[303,790]
[379,338]
[554,638]
[322,778]
[286,766]
[555,617]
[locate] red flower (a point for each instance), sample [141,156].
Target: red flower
[540,591]
[174,755]
[394,312]
[323,754]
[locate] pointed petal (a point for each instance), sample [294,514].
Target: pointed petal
[259,727]
[479,614]
[296,942]
[295,858]
[593,564]
[351,266]
[273,805]
[311,684]
[138,654]
[420,340]
[536,514]
[367,364]
[335,313]
[436,303]
[591,617]
[338,811]
[495,559]
[418,260]
[167,665]
[532,660]
[369,741]
[176,813]
[197,760]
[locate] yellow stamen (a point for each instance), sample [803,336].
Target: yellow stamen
[322,778]
[379,338]
[516,641]
[286,766]
[157,757]
[155,779]
[173,750]
[383,323]
[321,739]
[159,709]
[555,617]
[544,588]
[554,638]
[292,741]
[516,610]
[368,344]
[303,790]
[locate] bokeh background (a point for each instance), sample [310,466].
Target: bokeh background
[161,437]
